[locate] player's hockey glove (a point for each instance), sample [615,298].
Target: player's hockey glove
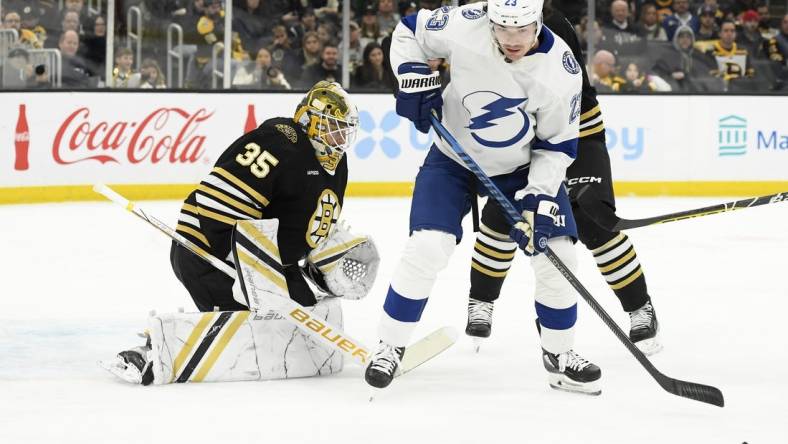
[419,93]
[540,213]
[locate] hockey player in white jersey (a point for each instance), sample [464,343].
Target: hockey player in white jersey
[513,104]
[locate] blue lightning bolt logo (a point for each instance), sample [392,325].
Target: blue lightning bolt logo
[496,110]
[499,108]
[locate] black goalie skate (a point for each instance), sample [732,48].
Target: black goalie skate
[132,365]
[644,328]
[479,325]
[571,372]
[383,365]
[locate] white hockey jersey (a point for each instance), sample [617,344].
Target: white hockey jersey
[504,115]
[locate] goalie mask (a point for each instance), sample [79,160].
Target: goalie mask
[330,121]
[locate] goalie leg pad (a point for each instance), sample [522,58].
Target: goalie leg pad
[240,346]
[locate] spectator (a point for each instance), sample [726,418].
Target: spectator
[326,33]
[732,62]
[283,54]
[328,69]
[603,75]
[649,27]
[310,51]
[94,45]
[356,51]
[209,32]
[635,81]
[32,18]
[583,33]
[387,18]
[151,76]
[681,16]
[707,24]
[248,22]
[123,76]
[77,6]
[297,29]
[370,29]
[17,73]
[713,5]
[76,73]
[777,50]
[686,67]
[749,37]
[26,37]
[407,8]
[261,73]
[372,73]
[620,34]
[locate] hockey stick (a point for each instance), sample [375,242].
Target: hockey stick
[690,390]
[425,349]
[606,218]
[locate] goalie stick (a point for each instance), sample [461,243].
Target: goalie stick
[605,217]
[420,351]
[690,390]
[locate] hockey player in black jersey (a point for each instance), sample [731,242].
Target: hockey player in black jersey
[291,169]
[614,253]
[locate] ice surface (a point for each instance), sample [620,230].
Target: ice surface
[79,279]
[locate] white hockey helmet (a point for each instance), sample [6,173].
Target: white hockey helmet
[516,13]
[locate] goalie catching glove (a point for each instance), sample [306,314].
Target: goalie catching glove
[345,265]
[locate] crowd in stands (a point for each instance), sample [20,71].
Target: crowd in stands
[639,45]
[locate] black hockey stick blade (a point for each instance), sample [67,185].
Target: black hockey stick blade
[603,215]
[692,390]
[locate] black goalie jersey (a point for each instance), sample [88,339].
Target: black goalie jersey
[271,172]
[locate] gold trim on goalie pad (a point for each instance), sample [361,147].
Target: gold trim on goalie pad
[272,275]
[339,248]
[190,343]
[248,228]
[230,330]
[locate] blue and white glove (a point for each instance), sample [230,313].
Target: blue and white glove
[419,93]
[540,213]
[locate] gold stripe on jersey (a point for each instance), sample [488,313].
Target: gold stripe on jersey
[193,233]
[190,209]
[593,130]
[216,216]
[186,350]
[243,186]
[269,273]
[590,113]
[257,214]
[482,269]
[210,204]
[230,330]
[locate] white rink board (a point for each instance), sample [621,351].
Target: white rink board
[171,138]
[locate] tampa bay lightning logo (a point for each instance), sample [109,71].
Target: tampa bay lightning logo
[472,14]
[496,121]
[570,64]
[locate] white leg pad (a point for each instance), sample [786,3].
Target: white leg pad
[240,346]
[554,291]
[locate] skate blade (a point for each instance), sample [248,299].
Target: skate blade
[373,392]
[477,343]
[649,346]
[119,368]
[561,382]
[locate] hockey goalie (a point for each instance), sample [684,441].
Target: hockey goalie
[269,209]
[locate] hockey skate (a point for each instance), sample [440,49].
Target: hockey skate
[571,372]
[479,325]
[132,365]
[644,328]
[383,365]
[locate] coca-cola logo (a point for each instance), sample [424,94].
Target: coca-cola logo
[22,137]
[164,135]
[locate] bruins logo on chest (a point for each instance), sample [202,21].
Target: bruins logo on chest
[324,217]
